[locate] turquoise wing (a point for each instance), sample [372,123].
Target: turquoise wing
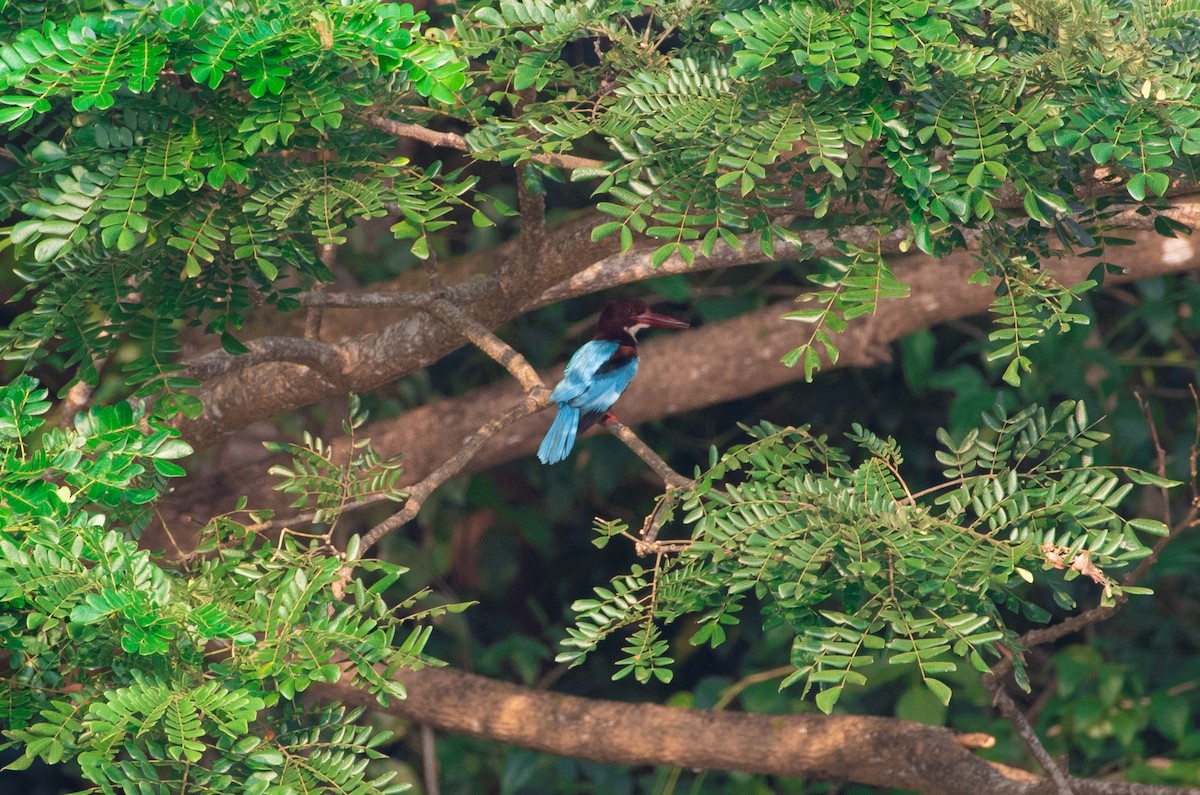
[590,383]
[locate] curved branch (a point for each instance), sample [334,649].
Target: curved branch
[384,354]
[885,752]
[455,464]
[500,351]
[671,478]
[318,356]
[705,366]
[456,141]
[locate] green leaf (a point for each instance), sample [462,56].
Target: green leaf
[827,698]
[940,690]
[1151,526]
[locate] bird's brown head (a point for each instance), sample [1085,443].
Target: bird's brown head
[627,316]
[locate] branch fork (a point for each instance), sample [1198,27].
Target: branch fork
[537,398]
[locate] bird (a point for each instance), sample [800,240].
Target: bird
[598,373]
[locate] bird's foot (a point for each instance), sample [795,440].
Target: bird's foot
[608,417]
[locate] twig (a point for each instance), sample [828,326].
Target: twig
[672,478]
[1039,637]
[429,760]
[456,141]
[1159,453]
[79,396]
[1008,708]
[1186,523]
[648,537]
[417,132]
[735,689]
[493,346]
[421,491]
[319,356]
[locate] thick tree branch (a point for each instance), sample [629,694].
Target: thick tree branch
[702,367]
[533,228]
[416,341]
[884,752]
[318,356]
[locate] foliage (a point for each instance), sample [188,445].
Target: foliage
[171,163]
[319,480]
[248,130]
[938,118]
[172,160]
[181,677]
[859,568]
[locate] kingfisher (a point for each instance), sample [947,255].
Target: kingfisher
[598,373]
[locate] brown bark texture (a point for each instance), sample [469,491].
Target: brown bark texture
[884,752]
[705,366]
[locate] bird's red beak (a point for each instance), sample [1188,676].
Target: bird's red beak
[659,321]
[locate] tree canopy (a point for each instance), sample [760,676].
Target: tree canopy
[288,283]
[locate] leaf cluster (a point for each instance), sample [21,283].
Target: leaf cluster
[938,119]
[171,161]
[180,677]
[320,481]
[862,571]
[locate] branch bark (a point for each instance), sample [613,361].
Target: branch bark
[705,366]
[574,264]
[456,141]
[884,752]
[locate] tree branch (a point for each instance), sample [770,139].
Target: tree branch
[1008,708]
[500,351]
[317,356]
[380,356]
[456,141]
[673,479]
[884,752]
[455,464]
[533,227]
[707,365]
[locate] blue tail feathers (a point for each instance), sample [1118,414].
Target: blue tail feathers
[561,436]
